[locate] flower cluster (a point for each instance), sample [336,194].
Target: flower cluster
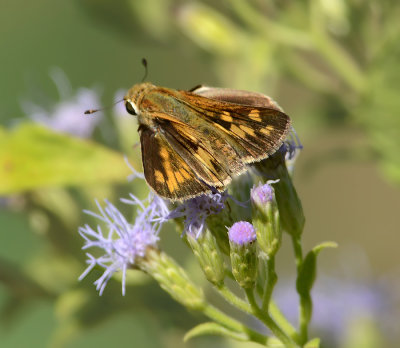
[123,243]
[249,233]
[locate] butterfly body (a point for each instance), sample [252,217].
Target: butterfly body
[194,142]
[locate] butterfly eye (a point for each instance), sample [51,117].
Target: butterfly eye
[129,108]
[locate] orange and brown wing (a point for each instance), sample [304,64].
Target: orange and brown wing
[165,170]
[258,130]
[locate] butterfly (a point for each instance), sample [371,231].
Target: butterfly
[195,142]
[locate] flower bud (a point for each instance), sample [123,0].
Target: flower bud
[172,278]
[242,238]
[266,219]
[290,208]
[217,225]
[210,258]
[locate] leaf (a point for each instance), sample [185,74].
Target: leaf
[32,157]
[314,343]
[308,271]
[211,328]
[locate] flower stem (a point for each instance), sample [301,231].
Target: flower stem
[234,300]
[272,278]
[221,318]
[334,54]
[281,320]
[298,252]
[304,316]
[271,29]
[268,321]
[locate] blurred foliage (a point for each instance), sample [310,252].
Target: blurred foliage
[33,157]
[329,63]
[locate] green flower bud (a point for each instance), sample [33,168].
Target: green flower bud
[217,225]
[240,189]
[172,278]
[210,258]
[266,219]
[242,238]
[290,208]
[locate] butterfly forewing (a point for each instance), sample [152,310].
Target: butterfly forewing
[259,131]
[165,170]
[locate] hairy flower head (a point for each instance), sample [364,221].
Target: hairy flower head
[196,210]
[123,242]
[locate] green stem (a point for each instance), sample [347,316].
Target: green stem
[234,300]
[304,70]
[221,318]
[272,278]
[335,55]
[281,320]
[298,253]
[273,30]
[268,321]
[304,316]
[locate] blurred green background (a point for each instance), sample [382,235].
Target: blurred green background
[331,64]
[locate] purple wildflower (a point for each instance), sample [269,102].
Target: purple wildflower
[124,242]
[263,193]
[135,174]
[67,115]
[196,210]
[336,304]
[242,232]
[292,147]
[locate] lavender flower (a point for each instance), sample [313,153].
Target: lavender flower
[124,242]
[67,115]
[265,218]
[263,193]
[196,210]
[242,233]
[243,253]
[336,304]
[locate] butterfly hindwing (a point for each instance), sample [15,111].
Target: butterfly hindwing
[165,170]
[210,156]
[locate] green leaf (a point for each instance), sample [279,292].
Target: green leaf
[314,343]
[32,157]
[211,328]
[308,271]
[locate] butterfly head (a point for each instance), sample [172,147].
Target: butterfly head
[134,96]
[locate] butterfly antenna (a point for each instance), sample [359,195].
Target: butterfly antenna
[144,62]
[92,111]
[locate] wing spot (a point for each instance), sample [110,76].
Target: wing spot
[248,130]
[255,115]
[164,153]
[226,116]
[235,129]
[172,184]
[184,173]
[267,130]
[159,176]
[179,177]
